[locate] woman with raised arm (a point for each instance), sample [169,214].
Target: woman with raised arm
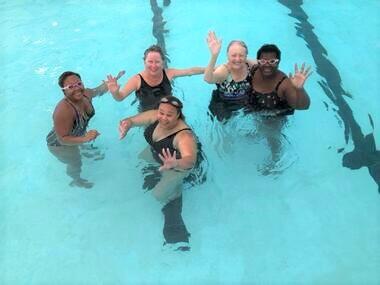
[174,146]
[232,79]
[151,84]
[274,96]
[71,117]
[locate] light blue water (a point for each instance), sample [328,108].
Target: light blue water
[315,223]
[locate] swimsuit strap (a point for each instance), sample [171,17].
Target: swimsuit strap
[174,134]
[163,79]
[77,113]
[278,84]
[184,129]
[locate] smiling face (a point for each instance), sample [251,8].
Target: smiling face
[268,64]
[237,56]
[167,115]
[73,88]
[153,63]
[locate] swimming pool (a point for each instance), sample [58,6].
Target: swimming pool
[312,222]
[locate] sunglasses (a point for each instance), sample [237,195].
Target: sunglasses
[72,86]
[268,61]
[174,103]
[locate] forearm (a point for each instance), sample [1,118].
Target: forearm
[209,71]
[118,95]
[185,163]
[100,90]
[303,99]
[141,119]
[72,140]
[197,70]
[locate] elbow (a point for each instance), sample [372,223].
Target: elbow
[117,97]
[208,79]
[303,106]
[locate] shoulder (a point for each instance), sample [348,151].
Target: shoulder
[186,134]
[64,110]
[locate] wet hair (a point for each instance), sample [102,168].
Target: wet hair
[269,48]
[241,43]
[175,102]
[64,75]
[154,48]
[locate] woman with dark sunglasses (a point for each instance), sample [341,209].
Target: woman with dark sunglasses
[174,146]
[71,117]
[152,83]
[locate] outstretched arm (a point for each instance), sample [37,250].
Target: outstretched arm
[141,119]
[173,72]
[120,94]
[102,88]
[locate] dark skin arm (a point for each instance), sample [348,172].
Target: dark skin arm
[102,88]
[64,118]
[292,88]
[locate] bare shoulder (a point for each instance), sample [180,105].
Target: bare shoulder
[185,136]
[63,110]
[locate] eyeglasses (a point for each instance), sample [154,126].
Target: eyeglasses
[268,61]
[72,86]
[174,103]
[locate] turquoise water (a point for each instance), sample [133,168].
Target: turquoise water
[312,222]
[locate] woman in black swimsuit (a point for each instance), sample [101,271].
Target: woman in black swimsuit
[151,84]
[274,95]
[174,146]
[71,117]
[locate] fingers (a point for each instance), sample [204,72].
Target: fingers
[123,128]
[92,134]
[295,68]
[302,67]
[120,74]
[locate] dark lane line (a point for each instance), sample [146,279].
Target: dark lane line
[159,30]
[364,153]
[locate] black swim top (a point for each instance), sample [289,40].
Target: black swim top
[230,90]
[270,103]
[79,126]
[167,142]
[150,96]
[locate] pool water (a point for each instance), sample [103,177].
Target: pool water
[312,220]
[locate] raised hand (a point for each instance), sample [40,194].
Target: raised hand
[111,82]
[214,44]
[169,160]
[300,76]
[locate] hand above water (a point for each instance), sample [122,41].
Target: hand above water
[300,76]
[111,82]
[214,44]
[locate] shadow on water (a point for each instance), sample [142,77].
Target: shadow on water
[159,30]
[364,153]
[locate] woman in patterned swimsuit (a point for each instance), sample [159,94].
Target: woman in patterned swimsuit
[274,95]
[233,79]
[153,83]
[71,117]
[174,146]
